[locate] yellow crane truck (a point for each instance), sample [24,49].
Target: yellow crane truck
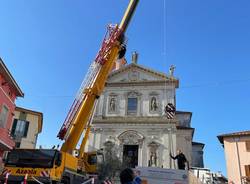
[62,166]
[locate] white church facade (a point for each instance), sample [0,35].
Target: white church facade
[131,114]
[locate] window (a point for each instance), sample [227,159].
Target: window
[247,170]
[132,105]
[3,116]
[248,146]
[18,144]
[19,128]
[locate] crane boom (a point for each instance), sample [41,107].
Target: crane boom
[52,165]
[92,88]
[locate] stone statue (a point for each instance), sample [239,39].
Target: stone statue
[153,159]
[153,104]
[171,70]
[112,105]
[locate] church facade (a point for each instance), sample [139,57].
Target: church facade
[131,114]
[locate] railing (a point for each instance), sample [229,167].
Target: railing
[6,137]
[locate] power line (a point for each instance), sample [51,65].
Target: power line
[201,85]
[216,84]
[49,96]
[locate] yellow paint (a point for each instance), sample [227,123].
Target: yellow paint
[86,108]
[68,161]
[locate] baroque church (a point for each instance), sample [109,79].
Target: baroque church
[131,114]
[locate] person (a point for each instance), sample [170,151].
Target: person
[127,176]
[181,160]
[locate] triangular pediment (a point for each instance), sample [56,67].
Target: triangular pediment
[136,73]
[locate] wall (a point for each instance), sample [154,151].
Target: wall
[145,93]
[30,140]
[197,156]
[184,142]
[7,98]
[157,133]
[152,125]
[232,160]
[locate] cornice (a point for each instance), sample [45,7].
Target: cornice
[133,120]
[9,78]
[143,83]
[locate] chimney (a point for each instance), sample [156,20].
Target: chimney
[135,56]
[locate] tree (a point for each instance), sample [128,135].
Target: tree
[111,165]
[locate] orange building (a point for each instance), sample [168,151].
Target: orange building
[237,153]
[9,91]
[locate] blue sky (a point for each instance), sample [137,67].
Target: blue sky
[48,46]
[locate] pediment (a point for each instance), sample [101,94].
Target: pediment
[135,73]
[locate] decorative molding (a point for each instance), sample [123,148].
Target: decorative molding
[170,84]
[133,75]
[155,106]
[96,130]
[143,69]
[154,144]
[131,137]
[133,94]
[153,93]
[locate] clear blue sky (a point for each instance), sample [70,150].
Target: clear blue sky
[48,46]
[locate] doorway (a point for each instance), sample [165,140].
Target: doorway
[130,155]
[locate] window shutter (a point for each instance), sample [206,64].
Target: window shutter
[13,129]
[248,146]
[23,116]
[26,129]
[247,169]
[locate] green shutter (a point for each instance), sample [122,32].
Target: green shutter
[23,116]
[26,129]
[13,129]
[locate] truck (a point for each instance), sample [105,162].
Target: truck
[62,166]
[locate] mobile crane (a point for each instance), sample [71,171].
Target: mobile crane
[61,166]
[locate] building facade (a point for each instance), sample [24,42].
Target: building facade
[27,124]
[197,154]
[8,94]
[206,176]
[131,114]
[237,152]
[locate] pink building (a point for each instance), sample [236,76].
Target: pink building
[237,153]
[8,94]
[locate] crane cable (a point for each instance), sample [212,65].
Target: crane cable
[166,96]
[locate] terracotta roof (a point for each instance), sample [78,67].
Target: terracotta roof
[234,134]
[39,114]
[8,77]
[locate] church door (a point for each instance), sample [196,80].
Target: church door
[130,155]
